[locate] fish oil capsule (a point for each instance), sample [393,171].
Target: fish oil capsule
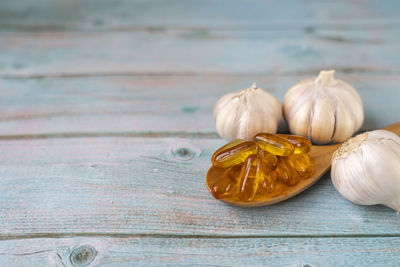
[249,178]
[225,147]
[274,144]
[270,160]
[233,154]
[267,182]
[286,172]
[301,145]
[303,165]
[226,184]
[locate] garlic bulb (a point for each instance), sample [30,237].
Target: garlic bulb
[323,109]
[366,169]
[246,113]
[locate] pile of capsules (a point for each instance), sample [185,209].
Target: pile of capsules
[252,168]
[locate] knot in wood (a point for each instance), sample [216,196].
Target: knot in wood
[82,255]
[183,153]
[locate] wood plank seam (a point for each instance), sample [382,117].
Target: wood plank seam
[306,72]
[160,134]
[184,236]
[310,27]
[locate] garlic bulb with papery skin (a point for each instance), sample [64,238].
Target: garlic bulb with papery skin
[243,114]
[366,169]
[324,109]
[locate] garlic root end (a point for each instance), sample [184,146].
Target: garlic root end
[394,205]
[350,145]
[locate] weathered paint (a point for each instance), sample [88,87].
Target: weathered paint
[158,15]
[130,104]
[95,95]
[125,185]
[171,52]
[189,251]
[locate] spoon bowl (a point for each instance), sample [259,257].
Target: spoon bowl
[321,156]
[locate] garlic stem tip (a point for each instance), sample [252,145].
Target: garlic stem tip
[254,85]
[325,78]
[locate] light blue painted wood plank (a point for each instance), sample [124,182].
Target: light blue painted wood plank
[136,185]
[154,186]
[132,104]
[148,251]
[127,14]
[199,52]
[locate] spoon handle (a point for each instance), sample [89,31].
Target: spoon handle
[393,128]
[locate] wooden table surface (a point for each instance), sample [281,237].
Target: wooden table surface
[106,129]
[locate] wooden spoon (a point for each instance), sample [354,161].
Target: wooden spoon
[320,155]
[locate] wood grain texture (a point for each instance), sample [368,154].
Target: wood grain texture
[95,95]
[153,186]
[179,104]
[148,251]
[157,14]
[198,51]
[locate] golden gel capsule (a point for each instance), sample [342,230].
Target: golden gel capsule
[225,147]
[286,172]
[301,144]
[274,144]
[226,184]
[267,182]
[249,178]
[233,154]
[269,160]
[303,165]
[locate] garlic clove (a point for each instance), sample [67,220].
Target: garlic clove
[301,119]
[222,102]
[344,124]
[226,118]
[323,108]
[322,125]
[245,113]
[366,169]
